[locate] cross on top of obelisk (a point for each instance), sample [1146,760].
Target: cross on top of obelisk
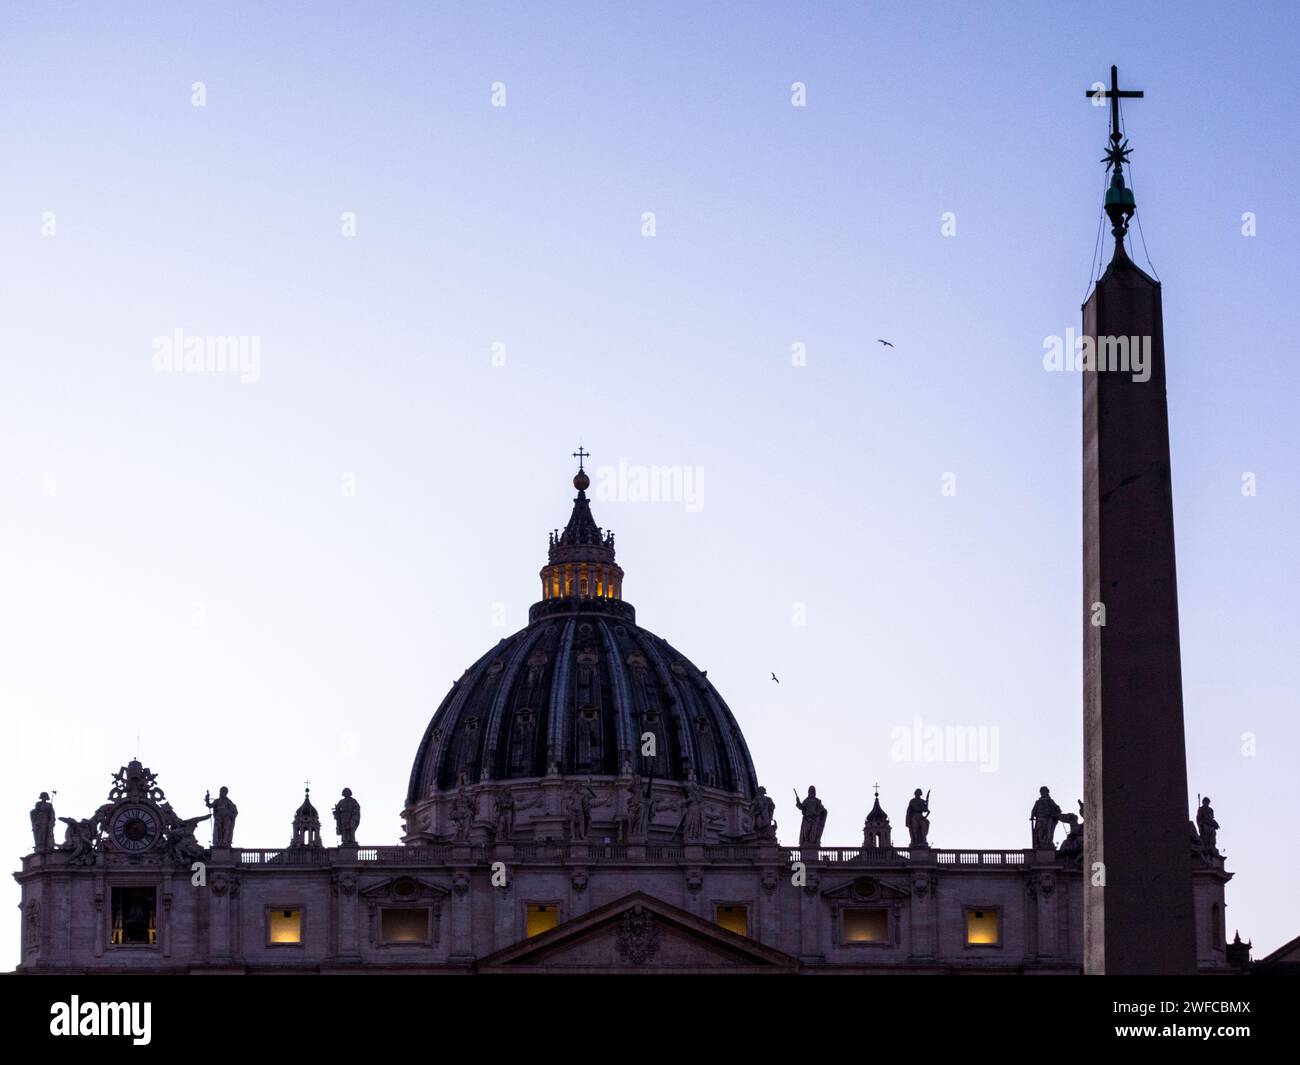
[1114,96]
[1119,199]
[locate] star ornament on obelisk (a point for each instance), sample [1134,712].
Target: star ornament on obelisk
[1137,876]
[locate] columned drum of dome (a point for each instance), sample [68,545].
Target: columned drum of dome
[583,692]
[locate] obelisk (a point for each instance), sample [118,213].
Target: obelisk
[1138,915]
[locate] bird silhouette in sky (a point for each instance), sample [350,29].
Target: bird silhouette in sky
[885,342]
[774,677]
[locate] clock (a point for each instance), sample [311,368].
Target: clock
[135,828]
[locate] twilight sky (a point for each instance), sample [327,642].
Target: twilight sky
[277,579]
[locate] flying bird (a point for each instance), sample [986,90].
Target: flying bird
[885,342]
[774,677]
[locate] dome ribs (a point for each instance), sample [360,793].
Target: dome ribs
[507,693]
[556,738]
[624,734]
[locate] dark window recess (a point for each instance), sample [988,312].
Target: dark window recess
[403,925]
[135,916]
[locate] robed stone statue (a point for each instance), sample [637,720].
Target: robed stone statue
[1042,820]
[761,809]
[693,818]
[224,812]
[814,818]
[641,810]
[462,814]
[1207,827]
[347,817]
[43,824]
[918,823]
[577,807]
[505,815]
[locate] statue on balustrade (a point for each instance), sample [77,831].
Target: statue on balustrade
[918,821]
[761,809]
[1207,828]
[1042,820]
[814,818]
[43,824]
[1072,846]
[347,818]
[224,812]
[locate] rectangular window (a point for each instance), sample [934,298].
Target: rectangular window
[733,919]
[404,925]
[283,927]
[541,917]
[135,917]
[982,928]
[866,926]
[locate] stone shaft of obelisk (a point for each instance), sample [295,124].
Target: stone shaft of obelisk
[1135,759]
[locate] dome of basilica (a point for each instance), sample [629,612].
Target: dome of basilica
[576,692]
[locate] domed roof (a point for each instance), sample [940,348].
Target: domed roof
[575,691]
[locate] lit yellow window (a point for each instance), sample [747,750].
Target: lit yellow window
[542,917]
[866,926]
[982,928]
[285,926]
[733,919]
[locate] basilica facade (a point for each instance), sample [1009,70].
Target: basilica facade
[582,800]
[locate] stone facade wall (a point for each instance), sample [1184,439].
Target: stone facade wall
[341,893]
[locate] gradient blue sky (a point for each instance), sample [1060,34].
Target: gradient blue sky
[177,557]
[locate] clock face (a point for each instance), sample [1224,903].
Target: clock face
[135,828]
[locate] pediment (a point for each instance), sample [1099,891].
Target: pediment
[403,889]
[866,889]
[638,934]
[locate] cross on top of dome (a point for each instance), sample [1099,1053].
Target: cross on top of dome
[580,479]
